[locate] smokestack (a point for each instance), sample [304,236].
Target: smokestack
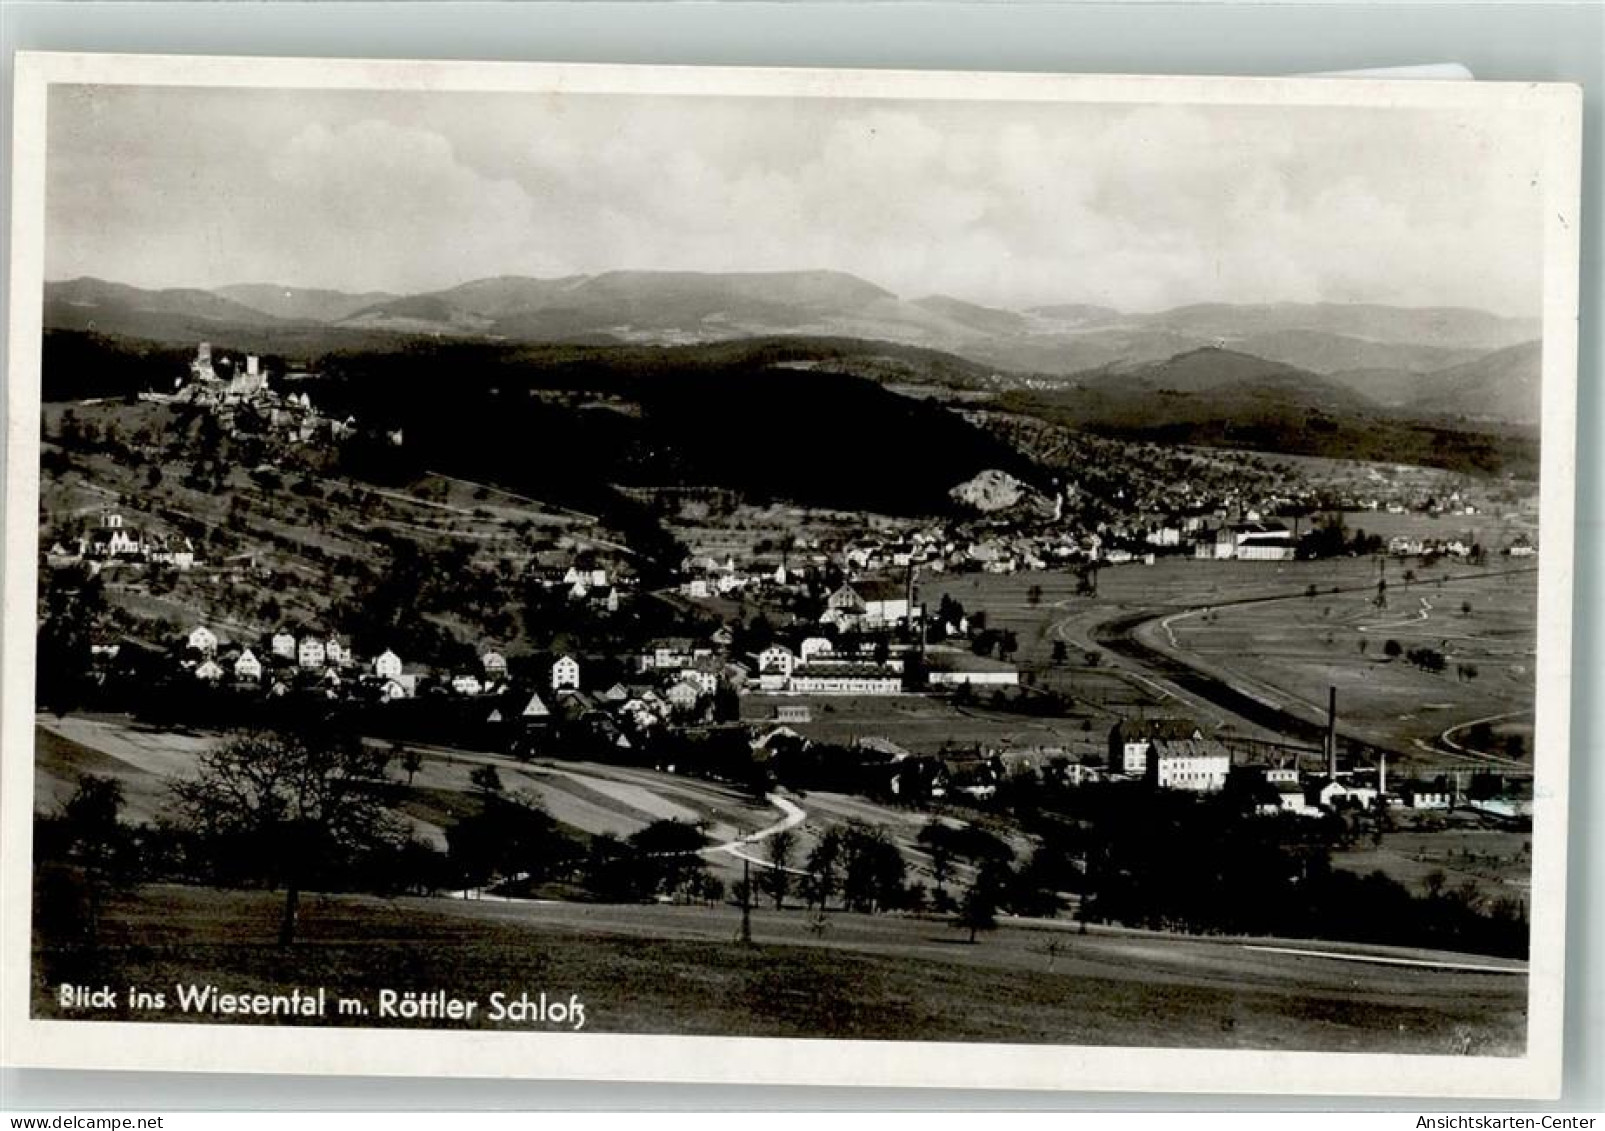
[1331,732]
[1382,774]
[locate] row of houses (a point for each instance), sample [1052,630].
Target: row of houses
[111,539]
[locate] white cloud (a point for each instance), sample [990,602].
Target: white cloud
[1138,207]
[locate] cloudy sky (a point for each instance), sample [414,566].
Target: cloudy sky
[1139,208]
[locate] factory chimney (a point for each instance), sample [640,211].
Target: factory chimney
[1331,733]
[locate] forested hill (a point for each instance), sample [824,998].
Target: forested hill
[815,438]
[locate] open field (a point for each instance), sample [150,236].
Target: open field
[1495,863]
[870,977]
[1220,618]
[1484,626]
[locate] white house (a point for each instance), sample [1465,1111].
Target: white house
[704,676]
[387,665]
[466,684]
[203,640]
[310,653]
[248,667]
[494,663]
[334,651]
[815,647]
[208,670]
[683,694]
[566,674]
[283,645]
[775,665]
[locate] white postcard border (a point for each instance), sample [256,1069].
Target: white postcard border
[202,1047]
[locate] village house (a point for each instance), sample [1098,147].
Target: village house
[775,665]
[248,669]
[112,539]
[704,673]
[683,695]
[311,653]
[1332,794]
[466,683]
[203,640]
[387,665]
[566,674]
[392,689]
[334,652]
[209,671]
[1421,796]
[494,664]
[672,653]
[176,552]
[868,604]
[283,645]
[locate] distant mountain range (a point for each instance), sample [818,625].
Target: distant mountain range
[1440,361]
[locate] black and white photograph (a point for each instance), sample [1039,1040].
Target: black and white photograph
[946,578]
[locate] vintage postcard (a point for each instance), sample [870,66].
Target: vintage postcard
[789,576]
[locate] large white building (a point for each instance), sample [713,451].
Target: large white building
[1196,764]
[1249,541]
[1130,740]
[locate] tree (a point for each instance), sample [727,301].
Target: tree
[1393,649]
[978,909]
[777,850]
[96,842]
[294,807]
[486,779]
[822,865]
[512,836]
[412,761]
[667,857]
[74,604]
[873,870]
[936,843]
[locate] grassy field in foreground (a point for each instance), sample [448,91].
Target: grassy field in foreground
[679,971]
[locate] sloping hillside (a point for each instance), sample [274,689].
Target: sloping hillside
[308,304]
[1220,398]
[1500,386]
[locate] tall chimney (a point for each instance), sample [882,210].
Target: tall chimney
[1382,773]
[1331,733]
